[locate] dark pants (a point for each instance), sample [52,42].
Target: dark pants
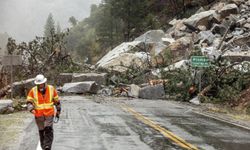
[45,127]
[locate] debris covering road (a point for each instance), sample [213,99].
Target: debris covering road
[96,124]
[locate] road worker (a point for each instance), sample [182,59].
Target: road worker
[41,100]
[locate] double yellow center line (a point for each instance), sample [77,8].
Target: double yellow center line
[179,141]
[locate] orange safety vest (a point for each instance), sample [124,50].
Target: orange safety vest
[43,104]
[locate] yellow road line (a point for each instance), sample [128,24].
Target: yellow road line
[162,130]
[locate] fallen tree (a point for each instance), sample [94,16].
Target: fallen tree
[46,55]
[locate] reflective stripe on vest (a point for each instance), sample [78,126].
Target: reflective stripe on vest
[44,105]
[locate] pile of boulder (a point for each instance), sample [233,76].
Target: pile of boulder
[81,83]
[220,30]
[223,30]
[96,83]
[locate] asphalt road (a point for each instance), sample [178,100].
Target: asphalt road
[97,124]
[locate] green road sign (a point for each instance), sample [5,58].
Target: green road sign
[200,61]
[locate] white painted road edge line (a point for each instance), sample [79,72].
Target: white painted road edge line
[222,120]
[39,146]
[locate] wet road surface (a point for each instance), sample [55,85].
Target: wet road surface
[140,125]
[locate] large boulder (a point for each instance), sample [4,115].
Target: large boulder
[200,19]
[128,53]
[228,9]
[22,88]
[5,105]
[122,55]
[117,51]
[151,36]
[124,60]
[81,87]
[64,78]
[152,92]
[133,91]
[99,78]
[180,46]
[247,26]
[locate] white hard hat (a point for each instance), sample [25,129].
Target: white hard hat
[40,79]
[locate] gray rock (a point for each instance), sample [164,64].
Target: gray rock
[99,78]
[22,88]
[211,52]
[237,32]
[106,91]
[216,18]
[240,22]
[248,3]
[5,105]
[238,2]
[206,37]
[64,78]
[200,10]
[230,20]
[81,87]
[242,11]
[218,29]
[134,91]
[180,43]
[114,79]
[247,26]
[122,62]
[200,19]
[195,101]
[218,6]
[238,56]
[151,36]
[126,54]
[241,40]
[228,9]
[202,28]
[152,92]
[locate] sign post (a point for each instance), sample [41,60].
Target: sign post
[200,62]
[11,60]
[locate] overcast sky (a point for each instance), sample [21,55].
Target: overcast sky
[24,19]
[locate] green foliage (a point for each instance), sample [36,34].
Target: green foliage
[46,55]
[179,82]
[226,82]
[229,86]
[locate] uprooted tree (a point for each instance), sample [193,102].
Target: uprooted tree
[46,55]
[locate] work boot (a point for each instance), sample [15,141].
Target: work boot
[41,135]
[47,148]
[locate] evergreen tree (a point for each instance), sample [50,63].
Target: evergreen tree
[58,28]
[73,21]
[49,28]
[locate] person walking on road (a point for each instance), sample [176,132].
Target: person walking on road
[41,100]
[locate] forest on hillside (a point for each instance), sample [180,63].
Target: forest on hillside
[116,21]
